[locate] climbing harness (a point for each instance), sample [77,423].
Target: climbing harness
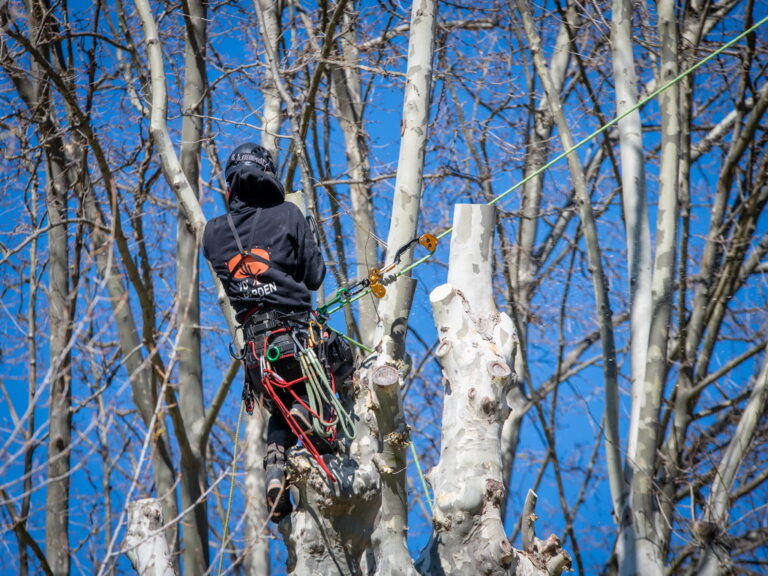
[377,279]
[291,359]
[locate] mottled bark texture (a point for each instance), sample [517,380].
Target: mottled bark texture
[594,255]
[645,521]
[634,201]
[476,351]
[145,544]
[390,534]
[330,528]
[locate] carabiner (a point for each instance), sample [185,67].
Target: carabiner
[235,355]
[311,340]
[299,347]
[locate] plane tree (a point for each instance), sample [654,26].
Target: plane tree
[557,341]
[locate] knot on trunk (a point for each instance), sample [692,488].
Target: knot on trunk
[498,369]
[494,492]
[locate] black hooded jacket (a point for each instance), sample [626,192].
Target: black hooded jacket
[282,262]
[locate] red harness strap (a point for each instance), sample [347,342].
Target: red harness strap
[272,381]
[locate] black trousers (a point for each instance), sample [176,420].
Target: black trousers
[289,369]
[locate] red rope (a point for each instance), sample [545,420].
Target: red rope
[272,380]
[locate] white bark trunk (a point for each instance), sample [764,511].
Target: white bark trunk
[476,352]
[415,121]
[638,242]
[390,532]
[716,557]
[644,505]
[257,536]
[271,119]
[635,207]
[389,370]
[347,94]
[599,281]
[145,544]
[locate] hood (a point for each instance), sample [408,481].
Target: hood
[253,186]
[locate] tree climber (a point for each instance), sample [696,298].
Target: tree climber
[264,252]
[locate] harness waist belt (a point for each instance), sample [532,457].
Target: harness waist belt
[259,323]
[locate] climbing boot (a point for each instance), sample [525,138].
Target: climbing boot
[304,419]
[278,499]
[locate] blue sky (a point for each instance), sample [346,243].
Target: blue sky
[580,402]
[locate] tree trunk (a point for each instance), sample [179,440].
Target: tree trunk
[194,481]
[257,537]
[635,205]
[329,531]
[61,303]
[389,537]
[524,264]
[599,281]
[476,353]
[649,559]
[59,377]
[476,350]
[348,98]
[638,242]
[145,544]
[714,529]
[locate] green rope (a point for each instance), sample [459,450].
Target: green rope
[575,147]
[231,487]
[421,476]
[320,394]
[352,341]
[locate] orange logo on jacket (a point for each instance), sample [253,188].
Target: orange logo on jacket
[246,266]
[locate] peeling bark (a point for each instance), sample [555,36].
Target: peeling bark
[145,544]
[387,375]
[476,351]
